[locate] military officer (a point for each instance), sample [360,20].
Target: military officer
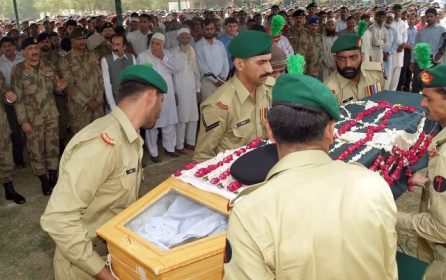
[430,224]
[35,82]
[100,174]
[314,57]
[299,36]
[82,70]
[354,79]
[299,224]
[6,162]
[232,116]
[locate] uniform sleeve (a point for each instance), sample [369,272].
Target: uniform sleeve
[212,128]
[243,257]
[430,225]
[17,87]
[72,89]
[83,170]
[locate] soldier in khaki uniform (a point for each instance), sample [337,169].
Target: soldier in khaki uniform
[354,78]
[299,36]
[82,70]
[313,217]
[35,82]
[100,174]
[430,224]
[6,161]
[314,59]
[232,116]
[61,99]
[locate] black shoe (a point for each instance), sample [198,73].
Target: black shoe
[172,154]
[52,178]
[46,189]
[156,159]
[20,165]
[11,194]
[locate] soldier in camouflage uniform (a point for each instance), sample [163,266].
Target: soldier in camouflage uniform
[53,56]
[85,92]
[35,82]
[6,162]
[299,36]
[313,65]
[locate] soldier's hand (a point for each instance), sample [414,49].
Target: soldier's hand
[418,180]
[105,274]
[10,97]
[27,128]
[93,105]
[61,85]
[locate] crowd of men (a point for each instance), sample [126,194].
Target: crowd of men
[59,79]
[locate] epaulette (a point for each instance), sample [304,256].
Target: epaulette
[107,139]
[372,66]
[244,193]
[226,96]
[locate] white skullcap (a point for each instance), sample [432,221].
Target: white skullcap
[132,19]
[159,36]
[183,30]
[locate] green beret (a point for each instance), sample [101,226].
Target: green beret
[78,32]
[434,77]
[28,41]
[250,43]
[346,43]
[144,74]
[305,92]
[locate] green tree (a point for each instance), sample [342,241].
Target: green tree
[51,6]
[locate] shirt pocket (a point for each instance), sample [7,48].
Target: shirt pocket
[128,182]
[243,129]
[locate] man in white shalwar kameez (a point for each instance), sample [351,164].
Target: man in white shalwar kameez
[187,87]
[163,62]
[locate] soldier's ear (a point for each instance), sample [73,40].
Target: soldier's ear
[238,63]
[329,132]
[270,132]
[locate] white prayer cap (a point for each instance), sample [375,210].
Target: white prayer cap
[132,19]
[159,36]
[183,30]
[390,15]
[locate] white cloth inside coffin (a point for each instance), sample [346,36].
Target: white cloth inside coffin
[174,220]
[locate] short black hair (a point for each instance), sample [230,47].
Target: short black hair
[258,27]
[350,18]
[132,88]
[5,40]
[397,7]
[230,20]
[380,13]
[145,16]
[208,21]
[295,125]
[431,11]
[120,30]
[121,35]
[71,22]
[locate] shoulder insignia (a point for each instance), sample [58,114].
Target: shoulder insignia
[222,106]
[372,66]
[107,139]
[439,184]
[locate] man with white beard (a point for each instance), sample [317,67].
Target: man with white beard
[163,63]
[328,39]
[187,88]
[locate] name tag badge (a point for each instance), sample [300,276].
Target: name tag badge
[347,100]
[242,123]
[130,171]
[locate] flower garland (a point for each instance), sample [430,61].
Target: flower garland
[217,170]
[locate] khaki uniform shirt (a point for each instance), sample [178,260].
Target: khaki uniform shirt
[430,224]
[371,81]
[314,218]
[35,89]
[97,180]
[231,118]
[84,77]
